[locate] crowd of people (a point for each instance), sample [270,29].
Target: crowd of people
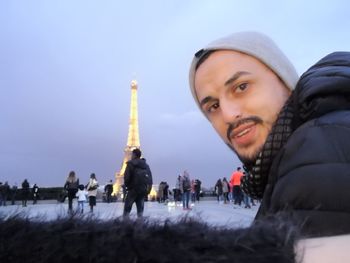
[14,193]
[230,191]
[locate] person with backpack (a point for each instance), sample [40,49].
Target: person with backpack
[138,182]
[71,186]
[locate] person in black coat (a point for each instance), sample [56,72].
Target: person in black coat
[292,136]
[25,192]
[71,186]
[35,193]
[109,190]
[138,181]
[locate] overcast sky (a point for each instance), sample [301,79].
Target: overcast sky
[66,68]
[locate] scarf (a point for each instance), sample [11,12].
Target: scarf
[256,179]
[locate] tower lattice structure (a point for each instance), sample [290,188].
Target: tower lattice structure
[133,141]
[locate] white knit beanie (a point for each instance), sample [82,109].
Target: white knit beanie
[256,45]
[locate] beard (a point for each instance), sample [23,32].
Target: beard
[248,159]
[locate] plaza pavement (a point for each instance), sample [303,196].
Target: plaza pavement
[210,211]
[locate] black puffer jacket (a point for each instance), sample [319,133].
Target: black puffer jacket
[310,175]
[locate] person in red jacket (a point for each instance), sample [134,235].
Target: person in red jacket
[235,183]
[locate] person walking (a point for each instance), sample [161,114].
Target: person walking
[109,191]
[35,192]
[236,185]
[92,187]
[218,190]
[160,193]
[81,195]
[138,181]
[25,192]
[166,192]
[244,195]
[185,190]
[197,188]
[71,186]
[225,190]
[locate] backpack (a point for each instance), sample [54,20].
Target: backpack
[142,181]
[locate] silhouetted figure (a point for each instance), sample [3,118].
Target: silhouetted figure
[71,186]
[35,192]
[197,188]
[185,188]
[25,192]
[138,181]
[109,191]
[92,191]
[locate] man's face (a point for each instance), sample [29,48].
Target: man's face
[241,97]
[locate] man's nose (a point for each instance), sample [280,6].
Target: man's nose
[231,111]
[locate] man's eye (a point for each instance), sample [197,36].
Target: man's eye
[213,107]
[241,87]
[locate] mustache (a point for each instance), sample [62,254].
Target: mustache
[233,125]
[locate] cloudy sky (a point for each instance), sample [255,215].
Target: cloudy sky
[66,68]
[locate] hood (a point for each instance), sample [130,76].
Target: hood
[323,88]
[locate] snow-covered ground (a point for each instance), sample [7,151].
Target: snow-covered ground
[227,215]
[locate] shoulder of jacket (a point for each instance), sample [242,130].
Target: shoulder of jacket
[335,119]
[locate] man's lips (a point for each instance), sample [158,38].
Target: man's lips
[241,130]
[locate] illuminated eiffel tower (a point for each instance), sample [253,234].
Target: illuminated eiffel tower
[133,137]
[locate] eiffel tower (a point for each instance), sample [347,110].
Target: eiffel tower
[133,137]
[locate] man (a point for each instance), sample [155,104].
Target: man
[291,138]
[185,188]
[108,191]
[25,192]
[235,181]
[245,197]
[197,188]
[138,182]
[35,192]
